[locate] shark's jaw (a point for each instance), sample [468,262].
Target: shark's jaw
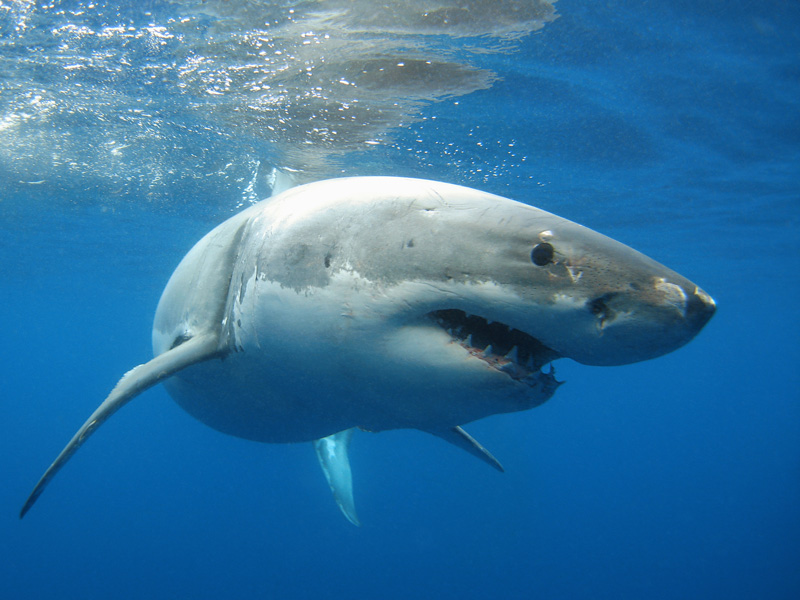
[514,353]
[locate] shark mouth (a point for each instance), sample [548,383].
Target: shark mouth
[511,351]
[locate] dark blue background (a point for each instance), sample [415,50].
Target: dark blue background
[672,126]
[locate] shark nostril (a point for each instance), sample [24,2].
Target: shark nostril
[599,306]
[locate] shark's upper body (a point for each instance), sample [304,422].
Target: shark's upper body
[345,304]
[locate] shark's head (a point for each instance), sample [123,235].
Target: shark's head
[575,291]
[609,304]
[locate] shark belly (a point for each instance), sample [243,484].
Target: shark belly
[239,396]
[303,366]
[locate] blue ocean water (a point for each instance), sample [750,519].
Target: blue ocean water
[127,133]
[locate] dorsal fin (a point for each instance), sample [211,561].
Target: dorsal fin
[133,383]
[281,180]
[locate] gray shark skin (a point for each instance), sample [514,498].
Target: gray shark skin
[385,303]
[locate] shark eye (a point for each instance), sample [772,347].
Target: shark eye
[542,254]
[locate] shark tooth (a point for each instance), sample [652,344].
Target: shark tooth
[511,369]
[513,354]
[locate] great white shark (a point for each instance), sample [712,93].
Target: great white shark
[381,303]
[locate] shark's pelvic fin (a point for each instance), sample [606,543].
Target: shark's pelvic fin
[133,383]
[335,463]
[459,437]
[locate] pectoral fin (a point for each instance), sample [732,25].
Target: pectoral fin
[133,383]
[335,463]
[459,437]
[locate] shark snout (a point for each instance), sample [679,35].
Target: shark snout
[642,321]
[692,306]
[700,307]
